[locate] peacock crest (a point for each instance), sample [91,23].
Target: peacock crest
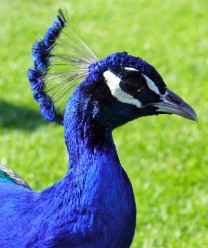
[61,60]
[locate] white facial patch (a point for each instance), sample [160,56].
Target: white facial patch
[151,85]
[130,69]
[113,83]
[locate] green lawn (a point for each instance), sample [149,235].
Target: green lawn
[166,157]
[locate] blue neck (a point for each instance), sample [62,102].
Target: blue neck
[85,137]
[93,157]
[95,187]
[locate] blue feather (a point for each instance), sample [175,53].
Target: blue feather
[36,82]
[41,54]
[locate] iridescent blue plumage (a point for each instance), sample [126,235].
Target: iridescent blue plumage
[93,204]
[41,57]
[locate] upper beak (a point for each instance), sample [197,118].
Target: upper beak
[173,104]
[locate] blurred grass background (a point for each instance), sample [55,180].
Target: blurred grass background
[165,156]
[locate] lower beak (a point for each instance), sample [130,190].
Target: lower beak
[173,104]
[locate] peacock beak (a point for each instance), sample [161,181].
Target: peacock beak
[173,104]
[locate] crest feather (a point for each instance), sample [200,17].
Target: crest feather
[61,60]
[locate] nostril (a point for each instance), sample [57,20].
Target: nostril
[171,99]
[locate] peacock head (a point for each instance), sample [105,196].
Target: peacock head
[122,87]
[112,91]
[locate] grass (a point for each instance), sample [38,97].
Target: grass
[166,156]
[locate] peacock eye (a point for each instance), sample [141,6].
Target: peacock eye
[132,85]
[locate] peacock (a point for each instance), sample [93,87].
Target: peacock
[93,205]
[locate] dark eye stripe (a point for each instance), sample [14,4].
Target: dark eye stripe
[132,85]
[131,74]
[113,82]
[133,81]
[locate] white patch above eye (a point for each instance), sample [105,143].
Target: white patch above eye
[113,83]
[151,85]
[130,69]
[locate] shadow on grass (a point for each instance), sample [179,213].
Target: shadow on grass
[18,117]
